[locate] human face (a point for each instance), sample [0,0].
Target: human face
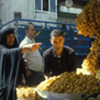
[10,39]
[31,32]
[57,42]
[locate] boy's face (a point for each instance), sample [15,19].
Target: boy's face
[10,39]
[57,42]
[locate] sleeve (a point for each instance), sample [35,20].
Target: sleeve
[47,64]
[23,43]
[11,51]
[74,63]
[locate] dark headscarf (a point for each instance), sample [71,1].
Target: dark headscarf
[4,32]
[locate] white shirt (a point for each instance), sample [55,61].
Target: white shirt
[34,59]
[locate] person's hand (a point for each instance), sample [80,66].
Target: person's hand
[31,47]
[46,75]
[25,63]
[36,46]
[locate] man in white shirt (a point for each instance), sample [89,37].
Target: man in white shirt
[35,62]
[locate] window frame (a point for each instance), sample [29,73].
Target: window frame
[42,7]
[17,15]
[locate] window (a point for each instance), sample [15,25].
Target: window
[45,5]
[17,15]
[52,5]
[42,5]
[38,4]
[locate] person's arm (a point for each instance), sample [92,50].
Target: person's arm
[46,66]
[26,62]
[74,62]
[30,47]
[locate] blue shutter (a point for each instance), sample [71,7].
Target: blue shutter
[52,5]
[37,4]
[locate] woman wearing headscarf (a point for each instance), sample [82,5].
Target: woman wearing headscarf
[9,41]
[10,59]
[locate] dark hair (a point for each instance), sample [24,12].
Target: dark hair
[27,26]
[56,33]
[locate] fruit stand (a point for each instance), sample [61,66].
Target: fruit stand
[73,83]
[88,24]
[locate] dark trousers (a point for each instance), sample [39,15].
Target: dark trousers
[34,78]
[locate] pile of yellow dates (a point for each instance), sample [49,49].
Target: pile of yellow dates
[88,22]
[92,62]
[64,83]
[71,83]
[26,93]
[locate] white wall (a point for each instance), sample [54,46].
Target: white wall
[27,9]
[45,16]
[70,10]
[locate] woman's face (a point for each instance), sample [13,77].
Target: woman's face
[10,39]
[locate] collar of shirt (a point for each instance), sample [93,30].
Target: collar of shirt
[55,54]
[29,40]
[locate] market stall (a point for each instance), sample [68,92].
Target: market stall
[67,86]
[83,84]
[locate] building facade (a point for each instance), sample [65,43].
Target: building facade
[45,10]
